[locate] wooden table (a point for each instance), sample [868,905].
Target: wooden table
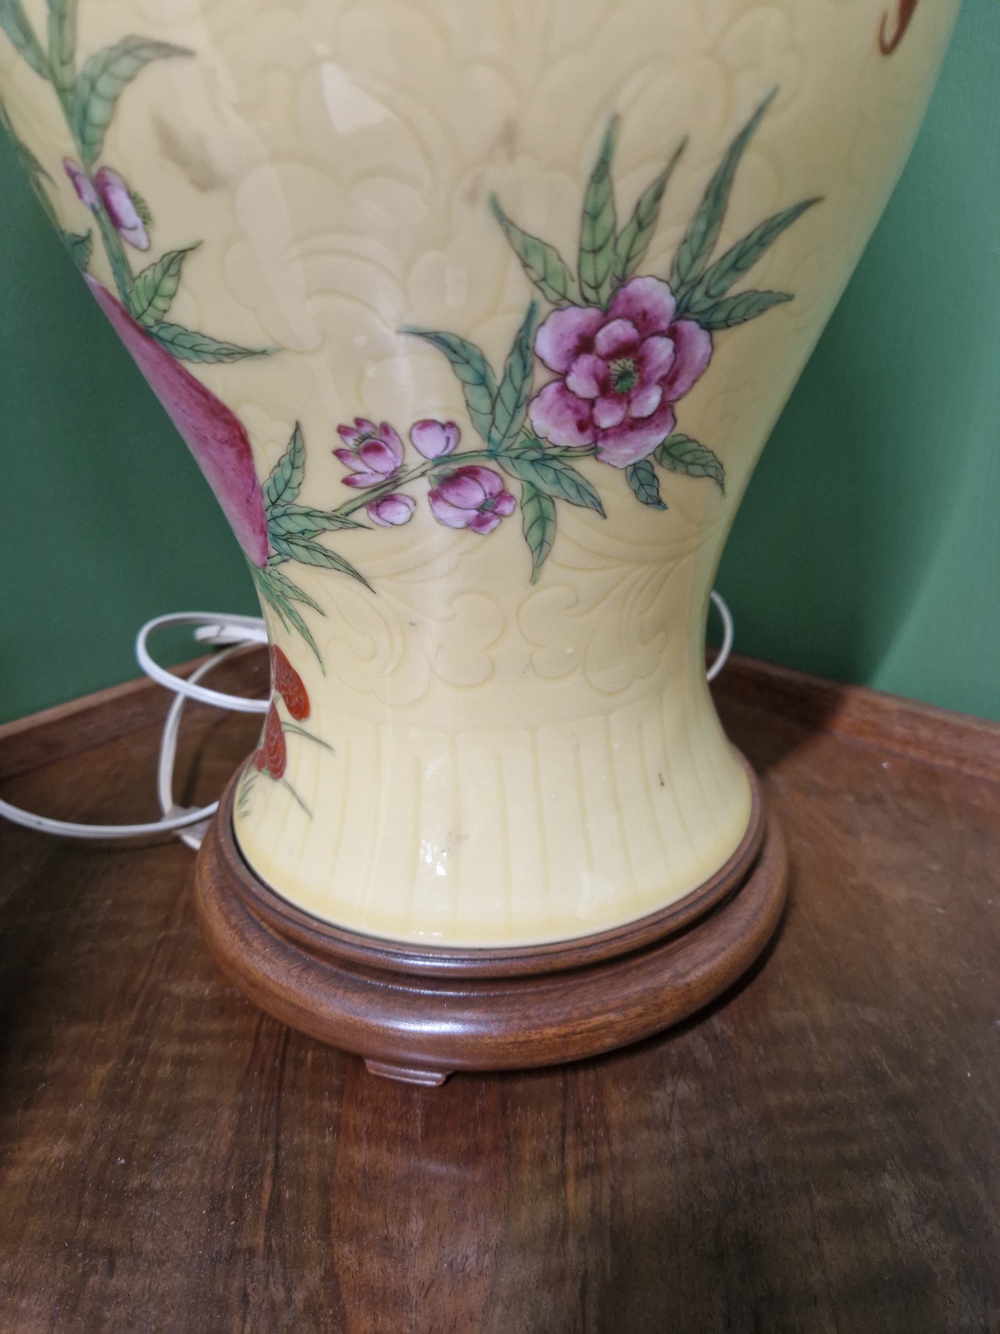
[818,1152]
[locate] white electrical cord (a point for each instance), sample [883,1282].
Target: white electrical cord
[236,632]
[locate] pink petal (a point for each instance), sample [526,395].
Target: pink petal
[361,429]
[618,338]
[84,190]
[121,210]
[648,303]
[214,435]
[378,457]
[654,358]
[566,334]
[634,439]
[692,353]
[364,479]
[644,400]
[505,504]
[610,410]
[450,515]
[392,442]
[433,438]
[588,376]
[391,511]
[465,487]
[347,457]
[484,523]
[561,418]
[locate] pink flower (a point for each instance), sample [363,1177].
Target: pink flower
[434,439]
[214,435]
[373,453]
[109,189]
[621,372]
[85,191]
[471,497]
[391,511]
[121,209]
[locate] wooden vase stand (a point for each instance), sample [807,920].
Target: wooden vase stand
[418,1014]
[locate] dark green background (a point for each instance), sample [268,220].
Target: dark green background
[867,549]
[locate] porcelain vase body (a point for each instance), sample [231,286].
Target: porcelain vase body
[481,263]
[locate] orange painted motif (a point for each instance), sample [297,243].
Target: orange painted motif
[887,44]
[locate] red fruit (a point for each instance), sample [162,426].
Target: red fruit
[288,684]
[258,761]
[275,754]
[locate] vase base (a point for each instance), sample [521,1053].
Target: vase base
[418,1015]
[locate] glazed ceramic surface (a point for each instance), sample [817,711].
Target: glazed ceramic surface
[476,317]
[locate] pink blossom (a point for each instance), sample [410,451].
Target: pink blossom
[433,439]
[391,511]
[109,189]
[373,453]
[621,371]
[471,497]
[121,210]
[214,435]
[85,191]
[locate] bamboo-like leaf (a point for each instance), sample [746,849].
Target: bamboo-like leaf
[632,244]
[299,521]
[643,480]
[679,453]
[311,553]
[100,83]
[538,520]
[472,369]
[291,592]
[281,594]
[14,21]
[62,43]
[189,345]
[597,231]
[80,247]
[511,402]
[733,310]
[155,288]
[720,276]
[701,236]
[541,262]
[282,486]
[552,476]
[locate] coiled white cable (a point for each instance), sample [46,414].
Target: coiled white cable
[236,632]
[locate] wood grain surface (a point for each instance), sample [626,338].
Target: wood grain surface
[817,1152]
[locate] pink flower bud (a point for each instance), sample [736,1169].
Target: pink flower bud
[391,511]
[85,191]
[121,210]
[433,439]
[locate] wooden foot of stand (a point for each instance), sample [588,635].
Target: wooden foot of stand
[417,1015]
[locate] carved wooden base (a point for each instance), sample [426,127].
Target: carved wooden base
[419,1014]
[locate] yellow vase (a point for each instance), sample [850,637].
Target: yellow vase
[492,308]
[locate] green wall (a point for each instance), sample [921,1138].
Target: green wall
[867,549]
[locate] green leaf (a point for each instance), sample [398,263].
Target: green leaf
[188,345]
[538,519]
[717,280]
[311,553]
[511,402]
[541,262]
[298,521]
[643,480]
[62,43]
[154,288]
[280,594]
[552,476]
[632,244]
[80,248]
[282,486]
[701,236]
[597,232]
[733,310]
[472,369]
[680,453]
[103,77]
[14,22]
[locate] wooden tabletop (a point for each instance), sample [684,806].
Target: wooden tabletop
[818,1152]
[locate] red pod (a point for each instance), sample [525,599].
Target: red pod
[258,760]
[288,684]
[275,753]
